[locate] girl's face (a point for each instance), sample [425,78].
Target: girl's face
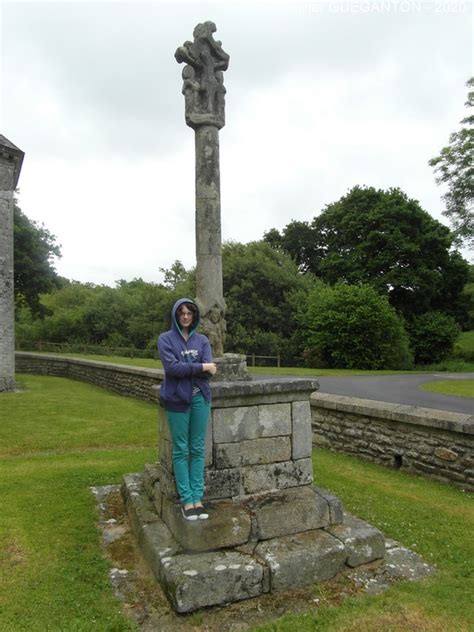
[185,317]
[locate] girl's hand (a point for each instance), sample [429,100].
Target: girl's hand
[209,367]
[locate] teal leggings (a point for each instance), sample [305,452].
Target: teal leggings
[188,435]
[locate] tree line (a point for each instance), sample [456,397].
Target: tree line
[371,282]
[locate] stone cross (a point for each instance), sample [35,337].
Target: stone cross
[11,159]
[203,89]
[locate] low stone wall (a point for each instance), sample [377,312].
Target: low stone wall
[120,378]
[435,443]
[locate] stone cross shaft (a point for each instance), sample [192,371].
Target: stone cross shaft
[203,89]
[11,159]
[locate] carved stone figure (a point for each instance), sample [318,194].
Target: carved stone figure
[203,80]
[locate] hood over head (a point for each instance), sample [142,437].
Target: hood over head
[174,317]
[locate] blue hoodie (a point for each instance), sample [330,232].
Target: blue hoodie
[182,360]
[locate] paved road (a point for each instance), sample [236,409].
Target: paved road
[400,389]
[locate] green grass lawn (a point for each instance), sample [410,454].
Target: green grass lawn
[58,437]
[462,388]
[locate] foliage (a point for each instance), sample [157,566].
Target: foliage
[385,239]
[349,326]
[455,168]
[34,251]
[432,336]
[258,283]
[464,346]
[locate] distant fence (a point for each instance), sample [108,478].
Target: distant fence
[253,358]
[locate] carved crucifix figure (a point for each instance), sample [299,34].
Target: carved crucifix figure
[204,93]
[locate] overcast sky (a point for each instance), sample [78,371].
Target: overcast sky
[321,96]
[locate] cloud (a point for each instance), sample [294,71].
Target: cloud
[320,96]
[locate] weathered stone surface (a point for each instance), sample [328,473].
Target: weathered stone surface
[231,367]
[276,476]
[207,579]
[402,563]
[254,452]
[156,542]
[234,424]
[302,432]
[221,483]
[165,452]
[228,526]
[151,475]
[11,159]
[445,454]
[299,560]
[139,507]
[167,483]
[257,392]
[291,511]
[274,420]
[335,505]
[363,542]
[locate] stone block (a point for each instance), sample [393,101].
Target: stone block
[167,483]
[252,452]
[302,432]
[445,454]
[156,542]
[274,420]
[208,579]
[363,542]
[291,511]
[151,475]
[299,560]
[229,525]
[221,483]
[163,428]
[275,476]
[401,563]
[336,515]
[234,424]
[165,453]
[139,507]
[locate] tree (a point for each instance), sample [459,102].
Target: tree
[385,239]
[432,337]
[455,167]
[352,327]
[258,284]
[34,251]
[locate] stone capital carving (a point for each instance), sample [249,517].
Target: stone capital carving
[203,77]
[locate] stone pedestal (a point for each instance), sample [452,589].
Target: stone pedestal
[11,159]
[270,528]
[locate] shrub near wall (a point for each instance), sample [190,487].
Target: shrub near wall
[430,442]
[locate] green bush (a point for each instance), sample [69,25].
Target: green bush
[432,337]
[352,327]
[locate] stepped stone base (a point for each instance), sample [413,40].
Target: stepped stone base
[269,529]
[249,546]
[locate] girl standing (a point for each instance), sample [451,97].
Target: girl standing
[186,396]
